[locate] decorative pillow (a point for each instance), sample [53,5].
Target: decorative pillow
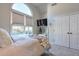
[44,41]
[5,38]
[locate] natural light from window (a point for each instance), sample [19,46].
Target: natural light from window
[29,30]
[17,29]
[21,7]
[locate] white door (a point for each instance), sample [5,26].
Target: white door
[50,31]
[57,30]
[78,31]
[74,31]
[61,27]
[64,31]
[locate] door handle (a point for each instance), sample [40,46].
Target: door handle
[69,32]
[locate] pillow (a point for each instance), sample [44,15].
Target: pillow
[5,39]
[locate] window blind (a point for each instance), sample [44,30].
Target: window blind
[17,18]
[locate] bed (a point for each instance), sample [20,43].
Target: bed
[34,46]
[30,48]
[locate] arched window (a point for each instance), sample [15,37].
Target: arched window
[21,7]
[21,19]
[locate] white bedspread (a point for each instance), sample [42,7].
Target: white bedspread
[23,46]
[20,37]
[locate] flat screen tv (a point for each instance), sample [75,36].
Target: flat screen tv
[45,22]
[38,23]
[42,22]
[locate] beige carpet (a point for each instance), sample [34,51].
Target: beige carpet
[63,51]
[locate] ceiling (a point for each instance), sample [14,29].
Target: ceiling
[42,7]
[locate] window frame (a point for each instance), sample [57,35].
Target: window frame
[21,11]
[24,25]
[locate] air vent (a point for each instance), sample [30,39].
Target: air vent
[53,4]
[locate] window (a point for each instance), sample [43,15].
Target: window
[20,23]
[29,30]
[17,29]
[21,7]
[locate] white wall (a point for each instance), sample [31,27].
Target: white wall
[44,15]
[62,8]
[36,15]
[4,16]
[44,28]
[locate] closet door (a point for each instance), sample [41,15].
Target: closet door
[64,31]
[51,31]
[73,31]
[78,31]
[57,30]
[54,30]
[61,27]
